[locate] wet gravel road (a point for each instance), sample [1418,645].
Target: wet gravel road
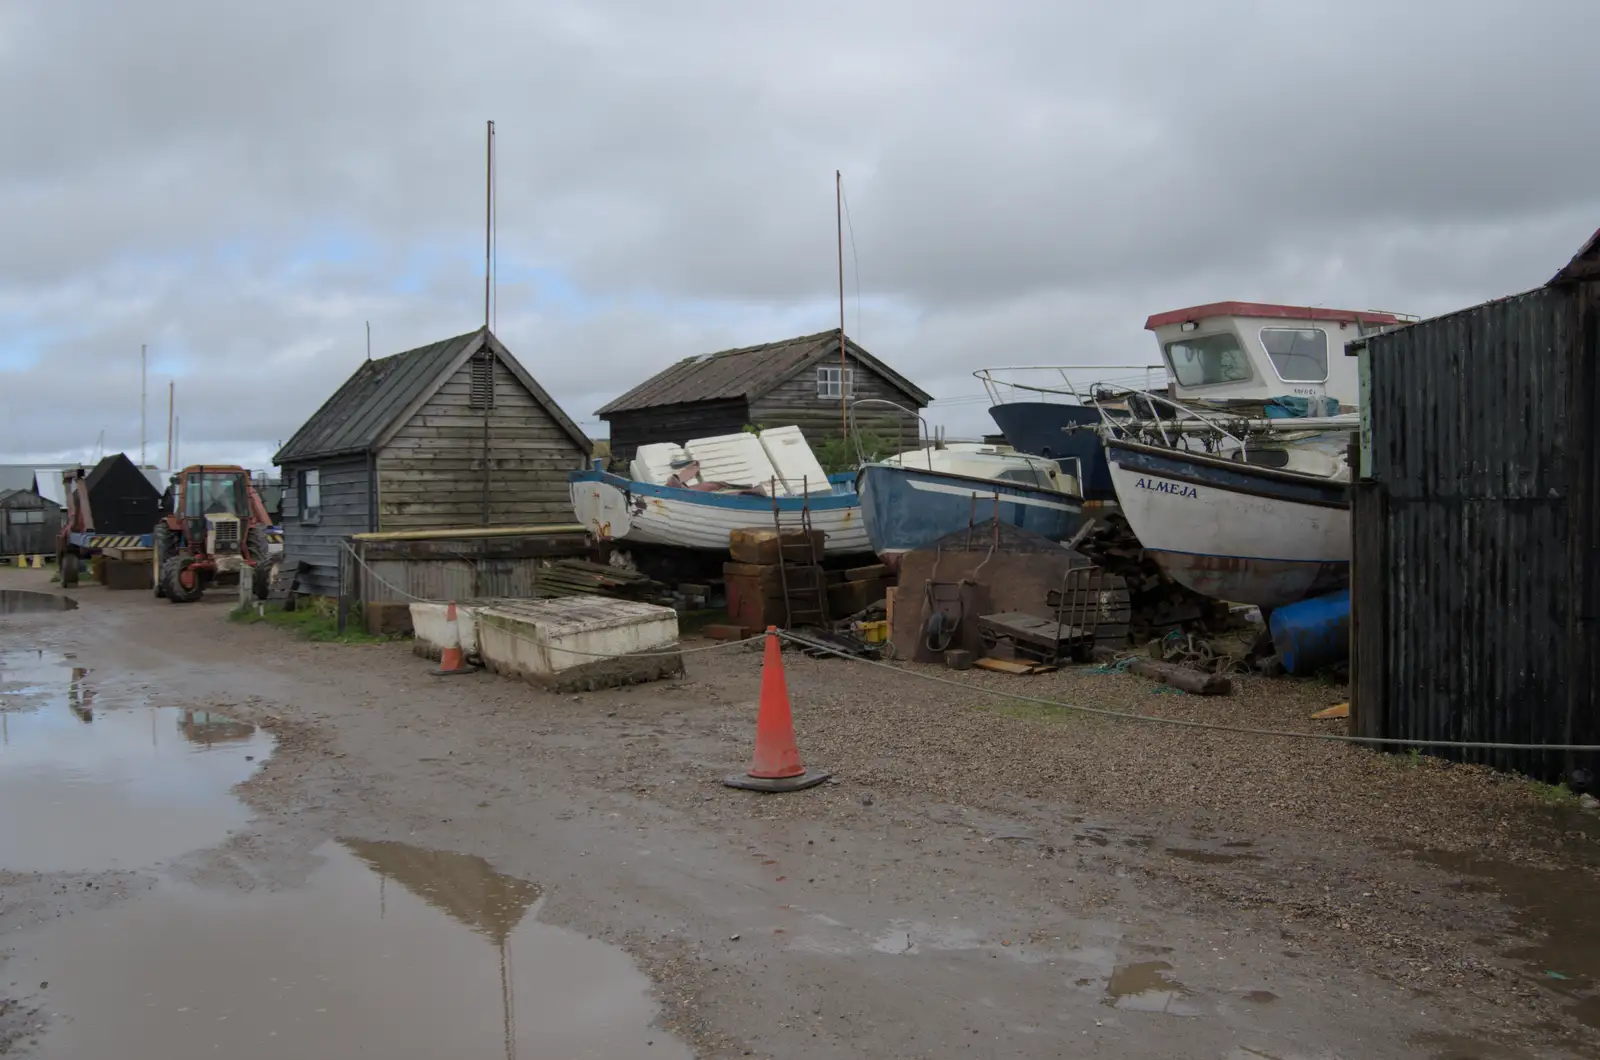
[313,834]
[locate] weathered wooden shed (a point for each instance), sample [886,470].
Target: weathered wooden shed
[29,523]
[452,434]
[797,381]
[1476,579]
[122,499]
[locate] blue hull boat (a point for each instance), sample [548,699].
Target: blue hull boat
[905,508]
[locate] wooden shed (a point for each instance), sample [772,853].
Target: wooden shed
[122,499]
[453,434]
[797,381]
[29,524]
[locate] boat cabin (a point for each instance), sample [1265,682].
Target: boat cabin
[1258,351]
[996,463]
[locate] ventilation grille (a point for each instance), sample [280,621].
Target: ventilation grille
[483,381]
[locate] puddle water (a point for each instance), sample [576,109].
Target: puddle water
[1144,987]
[387,950]
[120,788]
[27,677]
[1210,857]
[1560,911]
[20,601]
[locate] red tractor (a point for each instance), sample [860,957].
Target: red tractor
[213,524]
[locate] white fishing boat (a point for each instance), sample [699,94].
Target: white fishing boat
[1249,511]
[693,496]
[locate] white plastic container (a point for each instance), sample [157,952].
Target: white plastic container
[654,463]
[796,464]
[737,459]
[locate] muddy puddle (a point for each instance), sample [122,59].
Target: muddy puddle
[1146,986]
[384,950]
[89,789]
[23,602]
[1560,911]
[29,679]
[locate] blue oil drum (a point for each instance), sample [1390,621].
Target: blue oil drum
[1314,633]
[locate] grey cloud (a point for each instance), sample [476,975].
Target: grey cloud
[1026,180]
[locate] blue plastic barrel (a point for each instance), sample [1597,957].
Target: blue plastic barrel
[1314,633]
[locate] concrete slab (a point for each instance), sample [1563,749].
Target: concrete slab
[429,628]
[578,643]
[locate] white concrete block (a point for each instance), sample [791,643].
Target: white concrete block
[430,629]
[579,641]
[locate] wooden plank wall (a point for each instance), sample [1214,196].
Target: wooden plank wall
[674,423]
[796,402]
[431,473]
[346,497]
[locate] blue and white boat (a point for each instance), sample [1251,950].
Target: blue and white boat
[614,508]
[913,499]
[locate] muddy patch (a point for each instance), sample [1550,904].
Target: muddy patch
[1560,910]
[92,790]
[386,950]
[1145,986]
[23,602]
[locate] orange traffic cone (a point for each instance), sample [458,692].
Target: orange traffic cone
[451,660]
[776,764]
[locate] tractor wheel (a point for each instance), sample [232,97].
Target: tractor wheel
[261,575]
[180,582]
[162,541]
[69,570]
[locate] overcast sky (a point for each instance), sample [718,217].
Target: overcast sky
[242,187]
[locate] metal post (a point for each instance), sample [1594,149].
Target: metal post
[844,364]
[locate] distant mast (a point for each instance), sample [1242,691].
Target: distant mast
[141,403]
[844,364]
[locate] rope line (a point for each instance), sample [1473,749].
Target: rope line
[1101,712]
[1185,723]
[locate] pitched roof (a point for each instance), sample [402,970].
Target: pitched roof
[369,403]
[748,372]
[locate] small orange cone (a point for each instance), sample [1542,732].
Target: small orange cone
[451,660]
[776,763]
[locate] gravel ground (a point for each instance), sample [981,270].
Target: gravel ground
[1438,894]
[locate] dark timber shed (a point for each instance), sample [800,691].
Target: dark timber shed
[452,434]
[1476,579]
[798,382]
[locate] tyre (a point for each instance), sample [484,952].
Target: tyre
[179,581]
[69,570]
[163,542]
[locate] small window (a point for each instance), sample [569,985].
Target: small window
[1299,355]
[1208,359]
[483,381]
[30,516]
[828,381]
[310,493]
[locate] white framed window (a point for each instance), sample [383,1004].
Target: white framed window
[310,493]
[828,376]
[27,517]
[1299,355]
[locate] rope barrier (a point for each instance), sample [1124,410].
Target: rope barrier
[1119,715]
[1185,723]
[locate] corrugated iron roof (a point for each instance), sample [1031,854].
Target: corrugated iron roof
[352,419]
[748,373]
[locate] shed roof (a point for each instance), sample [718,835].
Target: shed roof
[362,411]
[22,499]
[1270,310]
[748,372]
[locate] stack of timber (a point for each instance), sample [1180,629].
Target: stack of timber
[576,577]
[1157,605]
[858,589]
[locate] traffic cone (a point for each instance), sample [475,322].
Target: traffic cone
[38,563]
[776,763]
[451,661]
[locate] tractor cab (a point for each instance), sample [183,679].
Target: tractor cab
[213,526]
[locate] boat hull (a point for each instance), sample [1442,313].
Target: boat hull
[614,508]
[1039,428]
[1234,532]
[904,508]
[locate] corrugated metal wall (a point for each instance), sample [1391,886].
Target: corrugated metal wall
[1468,611]
[449,579]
